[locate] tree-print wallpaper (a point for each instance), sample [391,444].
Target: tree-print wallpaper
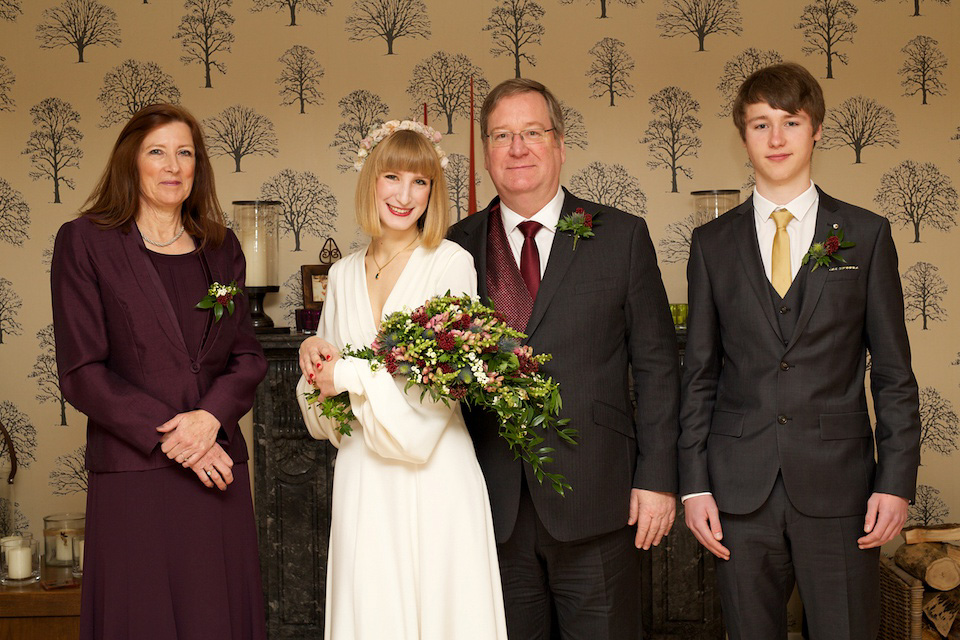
[287,88]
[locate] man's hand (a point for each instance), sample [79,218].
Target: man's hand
[886,514]
[703,519]
[653,512]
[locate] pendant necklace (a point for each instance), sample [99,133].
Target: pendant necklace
[162,244]
[380,267]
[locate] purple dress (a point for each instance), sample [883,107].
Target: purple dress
[166,557]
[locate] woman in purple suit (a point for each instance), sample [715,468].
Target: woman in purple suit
[171,547]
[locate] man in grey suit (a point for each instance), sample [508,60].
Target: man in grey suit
[600,308]
[788,292]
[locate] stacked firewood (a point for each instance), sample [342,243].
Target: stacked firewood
[932,554]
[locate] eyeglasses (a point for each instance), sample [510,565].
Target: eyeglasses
[529,136]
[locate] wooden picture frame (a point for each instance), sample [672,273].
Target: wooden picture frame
[314,284]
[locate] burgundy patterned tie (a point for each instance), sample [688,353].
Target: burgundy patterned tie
[530,256]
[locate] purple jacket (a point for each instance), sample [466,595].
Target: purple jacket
[121,356]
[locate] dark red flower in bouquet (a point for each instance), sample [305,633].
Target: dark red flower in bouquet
[446,368]
[390,362]
[463,322]
[831,245]
[225,299]
[446,341]
[588,220]
[527,365]
[420,317]
[458,392]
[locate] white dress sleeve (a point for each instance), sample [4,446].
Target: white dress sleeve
[319,427]
[397,424]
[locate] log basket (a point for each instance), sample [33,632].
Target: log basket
[901,603]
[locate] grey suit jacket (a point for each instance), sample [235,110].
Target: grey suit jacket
[756,403]
[602,312]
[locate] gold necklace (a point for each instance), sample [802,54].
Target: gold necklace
[373,254]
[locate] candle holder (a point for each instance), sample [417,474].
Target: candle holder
[711,203]
[59,530]
[20,561]
[259,222]
[78,556]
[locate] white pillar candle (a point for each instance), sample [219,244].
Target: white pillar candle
[255,253]
[19,563]
[64,547]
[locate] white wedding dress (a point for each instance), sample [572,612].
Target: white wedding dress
[412,551]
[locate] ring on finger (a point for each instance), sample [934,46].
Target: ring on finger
[207,471]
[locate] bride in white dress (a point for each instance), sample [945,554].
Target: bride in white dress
[412,551]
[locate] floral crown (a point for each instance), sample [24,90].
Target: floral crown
[377,134]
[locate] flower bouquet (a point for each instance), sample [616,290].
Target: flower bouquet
[455,348]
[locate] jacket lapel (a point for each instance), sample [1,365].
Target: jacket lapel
[748,249]
[827,216]
[212,260]
[561,255]
[153,290]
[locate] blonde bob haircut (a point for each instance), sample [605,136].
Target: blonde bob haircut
[404,150]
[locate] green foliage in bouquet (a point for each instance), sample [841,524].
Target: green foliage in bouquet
[455,348]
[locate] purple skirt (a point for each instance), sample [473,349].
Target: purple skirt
[166,558]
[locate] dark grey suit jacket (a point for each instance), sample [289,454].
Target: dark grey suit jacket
[756,403]
[602,312]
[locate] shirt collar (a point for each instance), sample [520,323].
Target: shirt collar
[799,206]
[549,216]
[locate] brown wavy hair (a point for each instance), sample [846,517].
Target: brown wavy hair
[787,86]
[115,201]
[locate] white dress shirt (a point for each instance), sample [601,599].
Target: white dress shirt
[800,229]
[549,216]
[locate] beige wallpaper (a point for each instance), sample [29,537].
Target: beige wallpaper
[281,102]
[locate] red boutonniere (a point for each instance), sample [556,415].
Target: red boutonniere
[220,297]
[822,253]
[579,224]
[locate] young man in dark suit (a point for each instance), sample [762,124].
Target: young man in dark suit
[777,468]
[600,308]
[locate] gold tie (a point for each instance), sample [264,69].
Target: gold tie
[780,271]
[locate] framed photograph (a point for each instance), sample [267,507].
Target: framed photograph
[314,285]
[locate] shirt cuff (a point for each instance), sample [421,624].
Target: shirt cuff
[694,495]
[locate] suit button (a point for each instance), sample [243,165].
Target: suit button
[784,366]
[194,367]
[782,419]
[783,310]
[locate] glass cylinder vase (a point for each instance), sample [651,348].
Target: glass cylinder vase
[710,203]
[260,240]
[59,530]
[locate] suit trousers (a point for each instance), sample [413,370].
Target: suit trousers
[594,584]
[774,548]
